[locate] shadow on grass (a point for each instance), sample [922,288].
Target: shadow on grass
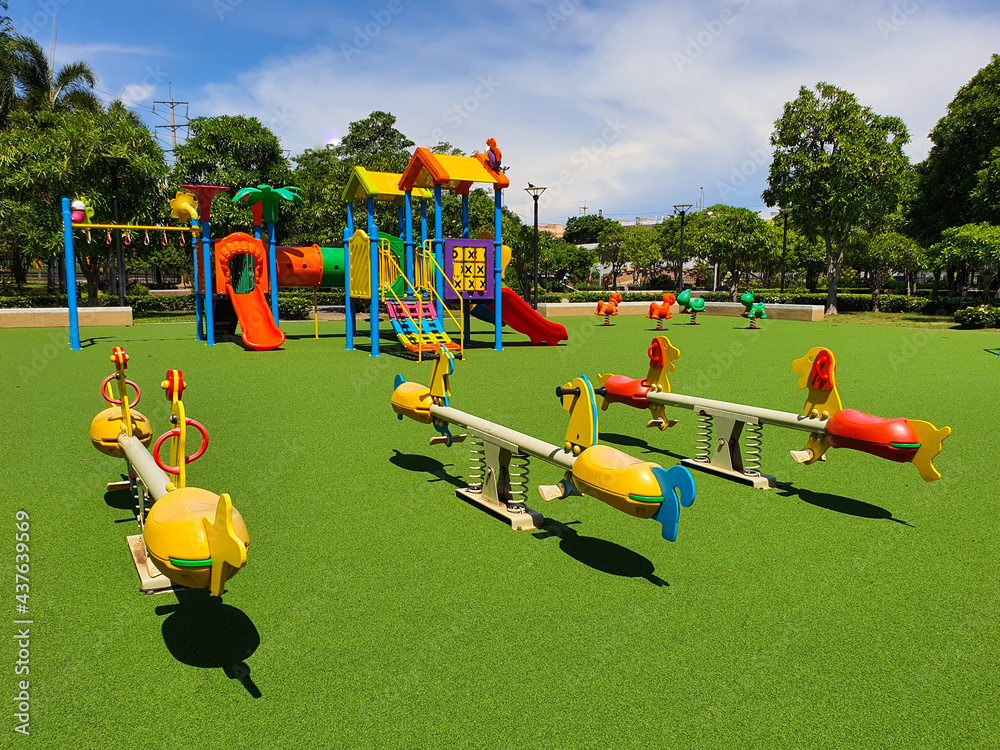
[426,465]
[837,503]
[992,351]
[122,500]
[92,341]
[600,554]
[202,631]
[633,442]
[299,336]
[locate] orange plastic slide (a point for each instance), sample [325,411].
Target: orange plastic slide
[257,325]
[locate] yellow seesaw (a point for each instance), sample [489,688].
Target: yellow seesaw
[190,536]
[639,488]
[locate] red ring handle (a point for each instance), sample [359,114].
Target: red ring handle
[118,401]
[187,459]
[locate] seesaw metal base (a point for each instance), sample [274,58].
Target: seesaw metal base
[152,580]
[493,491]
[525,520]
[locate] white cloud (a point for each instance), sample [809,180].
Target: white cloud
[632,108]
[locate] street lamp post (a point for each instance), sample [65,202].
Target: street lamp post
[535,192]
[784,246]
[682,209]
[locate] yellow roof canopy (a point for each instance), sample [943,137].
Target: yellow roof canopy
[380,186]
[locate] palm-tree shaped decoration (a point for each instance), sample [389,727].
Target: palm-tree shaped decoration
[269,198]
[43,88]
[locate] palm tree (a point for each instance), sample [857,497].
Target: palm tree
[269,197]
[42,88]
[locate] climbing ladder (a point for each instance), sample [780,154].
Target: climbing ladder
[414,317]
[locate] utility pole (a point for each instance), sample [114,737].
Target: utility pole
[173,122]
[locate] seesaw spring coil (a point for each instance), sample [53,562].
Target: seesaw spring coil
[703,438]
[520,468]
[752,449]
[477,465]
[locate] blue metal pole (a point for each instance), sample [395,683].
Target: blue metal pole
[423,222]
[199,309]
[408,239]
[206,247]
[272,268]
[373,261]
[438,253]
[498,267]
[465,216]
[74,320]
[348,306]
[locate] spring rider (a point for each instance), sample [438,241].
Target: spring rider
[692,305]
[660,311]
[754,310]
[609,308]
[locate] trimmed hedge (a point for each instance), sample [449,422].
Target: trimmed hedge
[981,316]
[845,302]
[302,300]
[291,307]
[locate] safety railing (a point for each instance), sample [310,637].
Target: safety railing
[429,261]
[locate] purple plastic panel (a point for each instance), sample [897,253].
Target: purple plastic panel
[474,261]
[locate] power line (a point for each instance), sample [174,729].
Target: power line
[173,126]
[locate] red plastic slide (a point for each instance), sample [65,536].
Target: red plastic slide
[256,323]
[518,315]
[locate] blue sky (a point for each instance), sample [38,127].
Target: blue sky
[629,107]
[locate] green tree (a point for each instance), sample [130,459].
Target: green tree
[374,143]
[957,182]
[234,151]
[972,248]
[322,218]
[739,241]
[641,249]
[47,156]
[609,249]
[8,90]
[42,88]
[840,165]
[878,255]
[806,256]
[585,230]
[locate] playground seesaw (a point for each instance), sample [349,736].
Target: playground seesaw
[191,536]
[500,457]
[829,424]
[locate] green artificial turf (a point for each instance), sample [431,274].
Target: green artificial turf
[855,606]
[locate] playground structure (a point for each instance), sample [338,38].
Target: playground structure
[754,310]
[500,457]
[609,308]
[189,536]
[463,271]
[417,286]
[690,305]
[77,214]
[661,312]
[829,425]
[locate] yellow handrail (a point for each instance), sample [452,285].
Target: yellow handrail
[420,326]
[428,255]
[387,264]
